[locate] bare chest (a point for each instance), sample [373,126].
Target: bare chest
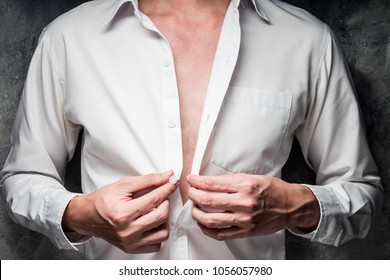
[193,51]
[193,66]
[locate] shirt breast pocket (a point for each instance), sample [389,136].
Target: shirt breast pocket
[250,129]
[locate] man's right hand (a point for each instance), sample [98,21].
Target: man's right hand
[131,213]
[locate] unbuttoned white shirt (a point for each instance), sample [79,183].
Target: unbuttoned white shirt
[105,68]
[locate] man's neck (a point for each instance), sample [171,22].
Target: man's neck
[190,9]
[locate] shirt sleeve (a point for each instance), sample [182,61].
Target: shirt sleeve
[334,144]
[43,140]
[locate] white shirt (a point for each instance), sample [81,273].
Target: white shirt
[105,67]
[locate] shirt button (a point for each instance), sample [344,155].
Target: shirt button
[167,62]
[180,231]
[171,124]
[173,179]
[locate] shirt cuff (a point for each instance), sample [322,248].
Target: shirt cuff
[54,210]
[328,228]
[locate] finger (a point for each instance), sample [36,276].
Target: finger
[144,204]
[225,233]
[146,249]
[229,183]
[131,249]
[146,233]
[216,200]
[150,241]
[222,220]
[233,202]
[154,236]
[140,183]
[153,219]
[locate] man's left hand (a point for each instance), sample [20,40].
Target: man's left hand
[242,205]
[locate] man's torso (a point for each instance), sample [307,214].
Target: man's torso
[193,38]
[129,89]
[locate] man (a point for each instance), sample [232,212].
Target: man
[205,98]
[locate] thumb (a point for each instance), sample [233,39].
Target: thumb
[147,181]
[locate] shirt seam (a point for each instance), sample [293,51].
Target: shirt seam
[316,74]
[56,70]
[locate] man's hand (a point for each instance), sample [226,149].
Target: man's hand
[131,214]
[242,205]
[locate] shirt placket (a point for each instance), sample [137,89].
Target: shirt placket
[223,67]
[178,246]
[224,63]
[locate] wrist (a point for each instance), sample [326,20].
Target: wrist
[73,213]
[304,210]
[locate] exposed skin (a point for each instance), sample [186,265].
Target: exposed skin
[135,224]
[192,28]
[251,204]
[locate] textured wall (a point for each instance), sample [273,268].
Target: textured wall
[363,29]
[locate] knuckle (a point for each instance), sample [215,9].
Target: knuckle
[118,218]
[162,216]
[250,184]
[206,200]
[122,237]
[156,201]
[210,222]
[135,213]
[247,221]
[151,178]
[124,240]
[220,237]
[234,220]
[251,204]
[117,221]
[208,183]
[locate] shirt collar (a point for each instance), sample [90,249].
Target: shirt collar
[260,11]
[118,3]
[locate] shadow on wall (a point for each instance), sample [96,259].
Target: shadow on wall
[363,29]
